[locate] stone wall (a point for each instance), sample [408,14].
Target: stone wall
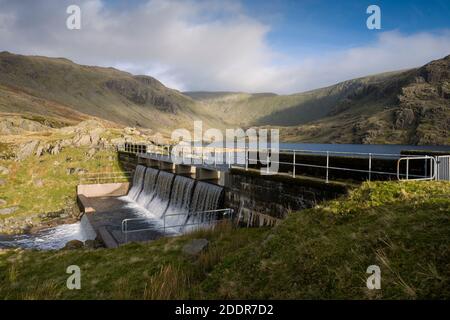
[128,161]
[261,200]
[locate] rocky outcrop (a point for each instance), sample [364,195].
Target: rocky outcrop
[139,91]
[17,125]
[404,118]
[26,150]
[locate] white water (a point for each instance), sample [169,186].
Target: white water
[161,195]
[137,182]
[148,191]
[180,201]
[52,238]
[158,205]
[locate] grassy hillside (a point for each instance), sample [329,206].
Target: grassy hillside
[403,107]
[323,252]
[59,87]
[262,109]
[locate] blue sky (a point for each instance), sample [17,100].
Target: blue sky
[316,25]
[310,26]
[282,46]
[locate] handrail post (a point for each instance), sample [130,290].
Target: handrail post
[407,168]
[267,161]
[293,169]
[328,163]
[370,166]
[246,157]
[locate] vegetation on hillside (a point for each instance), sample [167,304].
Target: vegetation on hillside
[41,163]
[403,227]
[406,107]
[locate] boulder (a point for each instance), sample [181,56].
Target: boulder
[82,140]
[73,244]
[195,247]
[56,149]
[2,202]
[38,182]
[93,244]
[27,150]
[4,170]
[40,151]
[9,210]
[91,152]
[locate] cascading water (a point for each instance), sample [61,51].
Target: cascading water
[148,191]
[160,201]
[180,200]
[206,197]
[164,195]
[138,180]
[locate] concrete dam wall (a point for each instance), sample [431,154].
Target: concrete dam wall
[256,199]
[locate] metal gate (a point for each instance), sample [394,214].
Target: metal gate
[443,168]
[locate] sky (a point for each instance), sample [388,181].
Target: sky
[281,46]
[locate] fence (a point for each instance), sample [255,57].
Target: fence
[105,177]
[320,164]
[200,219]
[443,168]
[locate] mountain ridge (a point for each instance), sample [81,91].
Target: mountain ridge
[407,106]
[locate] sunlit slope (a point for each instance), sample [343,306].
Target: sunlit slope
[40,85]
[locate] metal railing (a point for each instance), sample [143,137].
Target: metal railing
[105,177]
[200,218]
[216,157]
[407,175]
[443,168]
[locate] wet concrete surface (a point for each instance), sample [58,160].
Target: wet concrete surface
[111,211]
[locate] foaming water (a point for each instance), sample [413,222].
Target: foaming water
[138,180]
[158,205]
[172,199]
[51,238]
[148,190]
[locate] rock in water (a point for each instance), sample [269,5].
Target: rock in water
[195,247]
[74,244]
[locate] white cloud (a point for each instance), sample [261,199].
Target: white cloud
[198,45]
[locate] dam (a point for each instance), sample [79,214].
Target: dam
[166,197]
[157,203]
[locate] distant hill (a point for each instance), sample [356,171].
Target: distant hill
[410,106]
[404,107]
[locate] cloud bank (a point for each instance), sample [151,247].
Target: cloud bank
[198,45]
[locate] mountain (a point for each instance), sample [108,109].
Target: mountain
[406,107]
[59,88]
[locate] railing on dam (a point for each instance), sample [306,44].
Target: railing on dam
[193,221]
[325,165]
[105,177]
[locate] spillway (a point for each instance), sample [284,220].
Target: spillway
[149,187]
[138,180]
[158,205]
[173,198]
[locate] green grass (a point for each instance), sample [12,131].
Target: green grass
[58,191]
[323,252]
